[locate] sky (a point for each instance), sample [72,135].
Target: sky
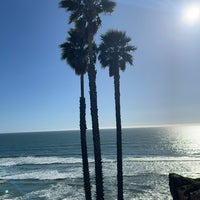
[39,91]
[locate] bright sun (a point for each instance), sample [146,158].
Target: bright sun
[191,14]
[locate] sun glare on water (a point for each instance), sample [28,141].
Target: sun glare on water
[191,14]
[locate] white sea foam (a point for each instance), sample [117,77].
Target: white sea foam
[30,160]
[43,175]
[7,197]
[160,159]
[132,166]
[58,191]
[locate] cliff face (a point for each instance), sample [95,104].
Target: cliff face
[183,188]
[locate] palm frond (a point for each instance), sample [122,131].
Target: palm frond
[115,51]
[107,6]
[75,52]
[75,7]
[69,5]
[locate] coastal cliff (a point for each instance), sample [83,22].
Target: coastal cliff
[183,188]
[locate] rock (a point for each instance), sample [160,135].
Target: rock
[183,188]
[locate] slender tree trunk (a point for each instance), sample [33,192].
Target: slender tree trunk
[119,136]
[86,174]
[95,125]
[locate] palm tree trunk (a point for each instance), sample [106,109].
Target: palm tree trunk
[86,174]
[95,125]
[119,135]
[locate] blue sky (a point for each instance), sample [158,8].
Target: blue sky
[40,92]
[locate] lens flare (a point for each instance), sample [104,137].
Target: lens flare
[6,191]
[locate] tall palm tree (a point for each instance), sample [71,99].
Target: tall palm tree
[86,16]
[115,52]
[74,51]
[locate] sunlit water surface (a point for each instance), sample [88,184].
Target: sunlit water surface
[48,165]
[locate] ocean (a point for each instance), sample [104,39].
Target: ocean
[48,165]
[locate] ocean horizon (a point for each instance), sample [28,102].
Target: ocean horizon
[48,165]
[106,128]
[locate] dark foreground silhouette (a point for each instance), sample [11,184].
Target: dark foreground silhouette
[183,188]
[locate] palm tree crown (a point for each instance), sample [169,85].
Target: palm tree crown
[85,14]
[75,52]
[87,10]
[115,51]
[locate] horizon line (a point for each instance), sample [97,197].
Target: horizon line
[107,128]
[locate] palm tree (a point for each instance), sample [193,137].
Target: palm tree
[74,51]
[86,16]
[114,52]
